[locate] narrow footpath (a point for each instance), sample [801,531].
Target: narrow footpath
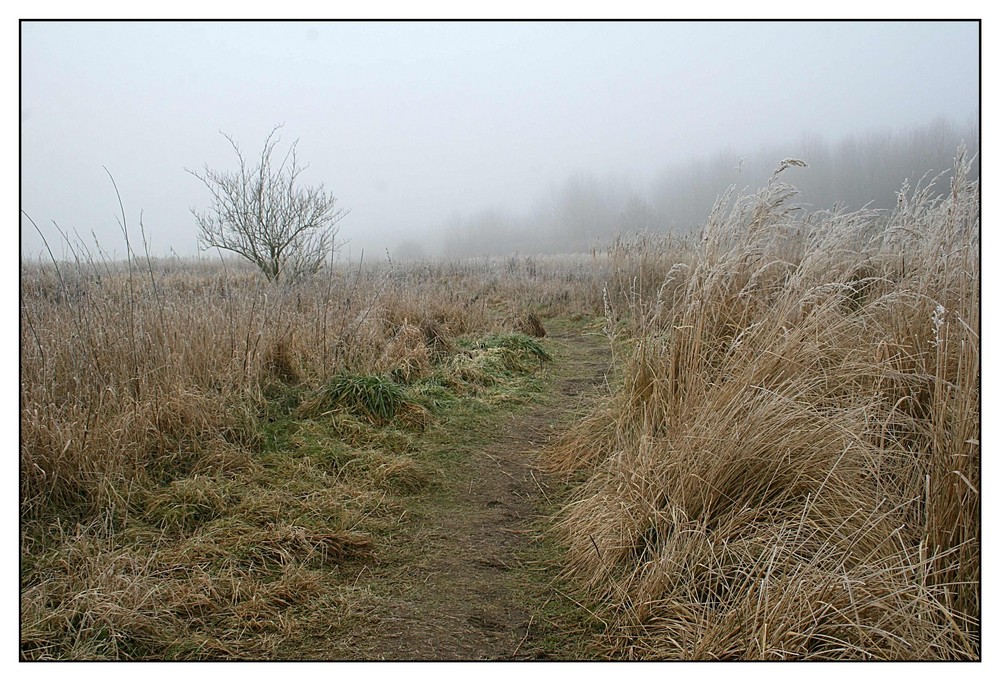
[474,584]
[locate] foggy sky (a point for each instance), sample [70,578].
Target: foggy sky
[408,124]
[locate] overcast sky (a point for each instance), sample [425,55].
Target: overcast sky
[410,123]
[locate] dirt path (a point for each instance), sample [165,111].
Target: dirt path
[474,590]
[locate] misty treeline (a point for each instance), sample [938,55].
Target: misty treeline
[588,210]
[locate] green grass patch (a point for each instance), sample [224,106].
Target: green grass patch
[376,398]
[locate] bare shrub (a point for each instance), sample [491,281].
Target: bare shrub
[263,213]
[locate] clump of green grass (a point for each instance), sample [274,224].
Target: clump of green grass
[375,398]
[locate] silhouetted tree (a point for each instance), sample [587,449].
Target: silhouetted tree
[263,214]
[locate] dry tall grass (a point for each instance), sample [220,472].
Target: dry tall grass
[153,525]
[790,468]
[132,372]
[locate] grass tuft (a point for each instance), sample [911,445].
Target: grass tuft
[375,398]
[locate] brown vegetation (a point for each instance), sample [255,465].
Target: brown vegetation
[197,456]
[787,468]
[790,468]
[529,324]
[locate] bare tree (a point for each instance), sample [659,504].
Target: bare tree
[263,214]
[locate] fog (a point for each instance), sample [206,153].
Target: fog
[421,129]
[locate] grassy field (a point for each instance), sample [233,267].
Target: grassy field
[206,460]
[784,464]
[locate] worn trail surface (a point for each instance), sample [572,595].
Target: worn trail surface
[472,588]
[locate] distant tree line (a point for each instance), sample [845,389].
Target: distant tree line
[857,171]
